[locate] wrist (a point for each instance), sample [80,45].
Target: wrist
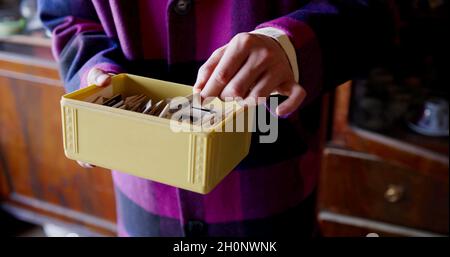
[285,43]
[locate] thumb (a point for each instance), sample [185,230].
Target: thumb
[295,93]
[98,77]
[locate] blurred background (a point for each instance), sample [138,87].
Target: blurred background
[383,142]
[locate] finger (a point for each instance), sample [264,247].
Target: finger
[98,77]
[296,94]
[245,78]
[85,165]
[265,85]
[207,69]
[231,61]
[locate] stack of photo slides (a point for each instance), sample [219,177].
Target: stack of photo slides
[183,111]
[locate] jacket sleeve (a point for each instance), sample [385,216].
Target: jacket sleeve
[79,41]
[336,40]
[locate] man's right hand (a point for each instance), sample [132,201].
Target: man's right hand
[100,79]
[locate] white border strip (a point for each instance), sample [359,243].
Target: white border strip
[376,225]
[79,216]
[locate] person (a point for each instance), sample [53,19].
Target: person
[225,48]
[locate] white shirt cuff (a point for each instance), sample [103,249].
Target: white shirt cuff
[285,43]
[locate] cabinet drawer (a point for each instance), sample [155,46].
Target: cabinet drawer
[332,229]
[365,186]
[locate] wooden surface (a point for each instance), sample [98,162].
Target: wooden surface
[35,176]
[359,183]
[344,230]
[37,40]
[413,156]
[361,168]
[356,227]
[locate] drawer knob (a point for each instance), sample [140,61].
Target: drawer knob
[394,193]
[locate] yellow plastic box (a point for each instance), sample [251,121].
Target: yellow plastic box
[145,145]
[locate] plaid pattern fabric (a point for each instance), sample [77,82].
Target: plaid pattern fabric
[170,39]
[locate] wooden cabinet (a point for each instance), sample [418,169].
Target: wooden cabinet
[37,182]
[374,183]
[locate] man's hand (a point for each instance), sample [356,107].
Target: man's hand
[250,66]
[100,79]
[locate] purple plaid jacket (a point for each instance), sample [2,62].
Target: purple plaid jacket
[269,193]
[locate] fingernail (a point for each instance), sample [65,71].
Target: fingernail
[101,79]
[196,90]
[279,114]
[277,111]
